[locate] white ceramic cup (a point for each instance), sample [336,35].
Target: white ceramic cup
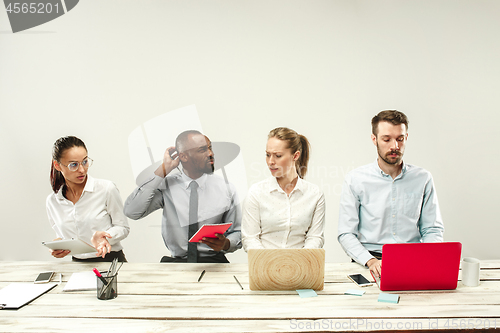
[470,272]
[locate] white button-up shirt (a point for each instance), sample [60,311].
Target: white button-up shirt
[99,208]
[273,219]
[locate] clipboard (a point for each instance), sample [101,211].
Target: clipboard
[75,245]
[209,231]
[16,295]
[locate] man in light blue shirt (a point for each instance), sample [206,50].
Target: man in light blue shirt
[387,201]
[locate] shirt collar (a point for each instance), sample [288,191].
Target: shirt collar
[274,186]
[404,168]
[89,187]
[383,174]
[187,180]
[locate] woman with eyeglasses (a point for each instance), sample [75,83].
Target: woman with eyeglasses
[83,207]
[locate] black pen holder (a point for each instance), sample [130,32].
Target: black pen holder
[107,287]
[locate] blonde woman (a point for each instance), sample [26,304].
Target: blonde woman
[284,211]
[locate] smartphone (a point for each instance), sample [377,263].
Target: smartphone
[172,152]
[360,280]
[44,277]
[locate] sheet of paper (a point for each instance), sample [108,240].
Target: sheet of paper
[355,292]
[304,293]
[16,295]
[388,298]
[81,281]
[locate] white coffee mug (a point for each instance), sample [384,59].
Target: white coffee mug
[470,272]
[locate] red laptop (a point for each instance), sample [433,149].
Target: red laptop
[420,266]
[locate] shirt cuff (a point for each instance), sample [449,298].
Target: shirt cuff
[363,258]
[114,236]
[314,243]
[234,242]
[252,244]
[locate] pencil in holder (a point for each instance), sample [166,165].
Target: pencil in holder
[107,287]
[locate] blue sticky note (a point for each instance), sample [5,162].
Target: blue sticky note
[304,293]
[388,298]
[355,292]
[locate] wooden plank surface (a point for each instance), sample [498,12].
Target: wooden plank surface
[60,325]
[232,289]
[166,297]
[181,273]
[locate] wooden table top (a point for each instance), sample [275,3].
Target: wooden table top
[168,298]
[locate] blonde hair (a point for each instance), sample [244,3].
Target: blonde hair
[295,142]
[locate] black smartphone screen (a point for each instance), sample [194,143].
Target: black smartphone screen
[359,279]
[44,276]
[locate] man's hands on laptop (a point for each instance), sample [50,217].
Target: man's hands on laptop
[217,244]
[375,266]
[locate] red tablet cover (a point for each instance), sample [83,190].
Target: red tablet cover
[209,230]
[420,266]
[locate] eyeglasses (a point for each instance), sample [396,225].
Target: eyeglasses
[73,166]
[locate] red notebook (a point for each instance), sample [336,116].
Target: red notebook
[209,231]
[420,266]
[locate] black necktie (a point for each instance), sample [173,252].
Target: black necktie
[193,222]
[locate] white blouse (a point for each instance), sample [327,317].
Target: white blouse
[273,219]
[99,208]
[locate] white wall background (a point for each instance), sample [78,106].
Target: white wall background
[323,68]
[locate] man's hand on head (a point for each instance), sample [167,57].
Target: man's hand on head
[170,162]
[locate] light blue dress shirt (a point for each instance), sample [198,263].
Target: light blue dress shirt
[376,210]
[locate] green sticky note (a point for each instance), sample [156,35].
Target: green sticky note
[355,292]
[388,298]
[304,293]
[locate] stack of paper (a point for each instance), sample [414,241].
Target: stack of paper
[81,281]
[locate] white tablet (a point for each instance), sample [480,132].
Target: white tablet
[76,246]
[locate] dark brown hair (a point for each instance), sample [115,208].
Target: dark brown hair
[392,116]
[60,146]
[296,142]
